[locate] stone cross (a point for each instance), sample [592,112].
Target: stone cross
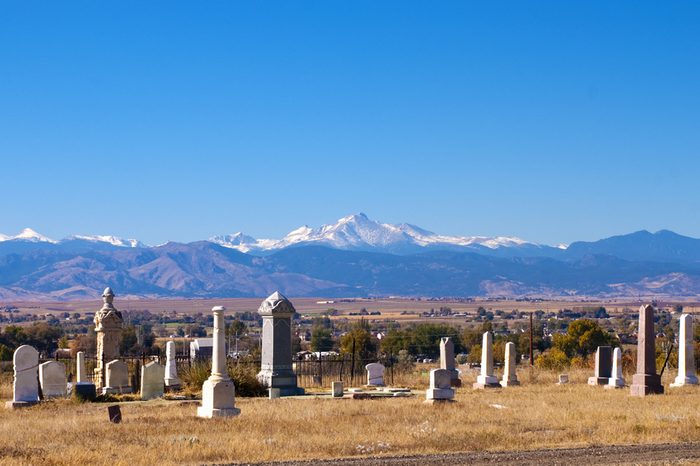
[509,376]
[171,379]
[117,378]
[52,378]
[375,374]
[152,381]
[686,357]
[447,359]
[276,369]
[108,327]
[616,380]
[440,386]
[603,366]
[486,379]
[646,381]
[218,391]
[25,389]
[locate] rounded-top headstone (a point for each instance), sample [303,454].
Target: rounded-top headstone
[276,303]
[218,309]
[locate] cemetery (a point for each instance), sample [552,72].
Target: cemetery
[434,408]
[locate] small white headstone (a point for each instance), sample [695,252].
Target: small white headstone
[171,379]
[440,386]
[117,377]
[563,379]
[509,376]
[81,373]
[152,385]
[616,380]
[686,354]
[375,374]
[25,388]
[52,377]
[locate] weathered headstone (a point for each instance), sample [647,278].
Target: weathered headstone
[686,354]
[486,379]
[563,379]
[646,381]
[172,382]
[25,389]
[152,381]
[616,380]
[337,389]
[276,365]
[603,366]
[108,327]
[52,378]
[83,389]
[115,414]
[447,360]
[375,374]
[510,378]
[80,372]
[117,380]
[273,393]
[218,391]
[440,386]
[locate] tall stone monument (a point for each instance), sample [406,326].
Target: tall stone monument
[603,366]
[686,354]
[25,389]
[172,382]
[108,327]
[646,381]
[218,391]
[276,367]
[447,360]
[510,378]
[486,379]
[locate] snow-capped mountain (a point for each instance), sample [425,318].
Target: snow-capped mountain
[29,235]
[360,233]
[113,240]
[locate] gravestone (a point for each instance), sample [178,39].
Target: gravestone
[440,386]
[337,389]
[218,391]
[646,381]
[115,414]
[603,366]
[80,372]
[152,381]
[117,378]
[447,360]
[686,354]
[616,380]
[375,374]
[25,388]
[563,379]
[486,379]
[510,378]
[108,328]
[276,363]
[273,393]
[172,382]
[83,389]
[52,378]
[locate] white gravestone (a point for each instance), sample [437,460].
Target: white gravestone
[686,354]
[25,389]
[171,378]
[117,380]
[563,379]
[486,379]
[447,359]
[52,378]
[375,374]
[616,380]
[337,389]
[152,384]
[509,376]
[218,391]
[440,386]
[81,373]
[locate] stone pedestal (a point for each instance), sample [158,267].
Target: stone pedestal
[25,388]
[486,379]
[603,366]
[172,382]
[616,380]
[52,378]
[646,381]
[276,365]
[218,391]
[447,360]
[440,386]
[686,353]
[108,327]
[510,378]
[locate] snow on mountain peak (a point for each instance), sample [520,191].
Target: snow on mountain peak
[113,240]
[28,235]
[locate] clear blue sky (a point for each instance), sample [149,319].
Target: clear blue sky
[552,121]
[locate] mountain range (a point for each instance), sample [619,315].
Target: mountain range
[354,257]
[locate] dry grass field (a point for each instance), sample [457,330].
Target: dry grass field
[536,415]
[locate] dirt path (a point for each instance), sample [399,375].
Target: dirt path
[667,453]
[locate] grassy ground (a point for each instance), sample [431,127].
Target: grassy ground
[537,414]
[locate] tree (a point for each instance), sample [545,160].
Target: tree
[321,339]
[582,338]
[365,344]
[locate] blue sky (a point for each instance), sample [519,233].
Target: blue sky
[552,121]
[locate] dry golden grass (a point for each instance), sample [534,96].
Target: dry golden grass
[537,414]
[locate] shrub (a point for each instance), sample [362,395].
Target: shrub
[554,359]
[244,378]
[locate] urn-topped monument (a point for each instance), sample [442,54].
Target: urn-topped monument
[108,327]
[276,367]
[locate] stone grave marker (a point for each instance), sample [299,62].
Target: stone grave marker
[117,379]
[646,381]
[25,388]
[616,380]
[152,381]
[440,386]
[172,382]
[686,353]
[486,379]
[510,378]
[115,414]
[603,366]
[337,389]
[375,374]
[447,359]
[52,378]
